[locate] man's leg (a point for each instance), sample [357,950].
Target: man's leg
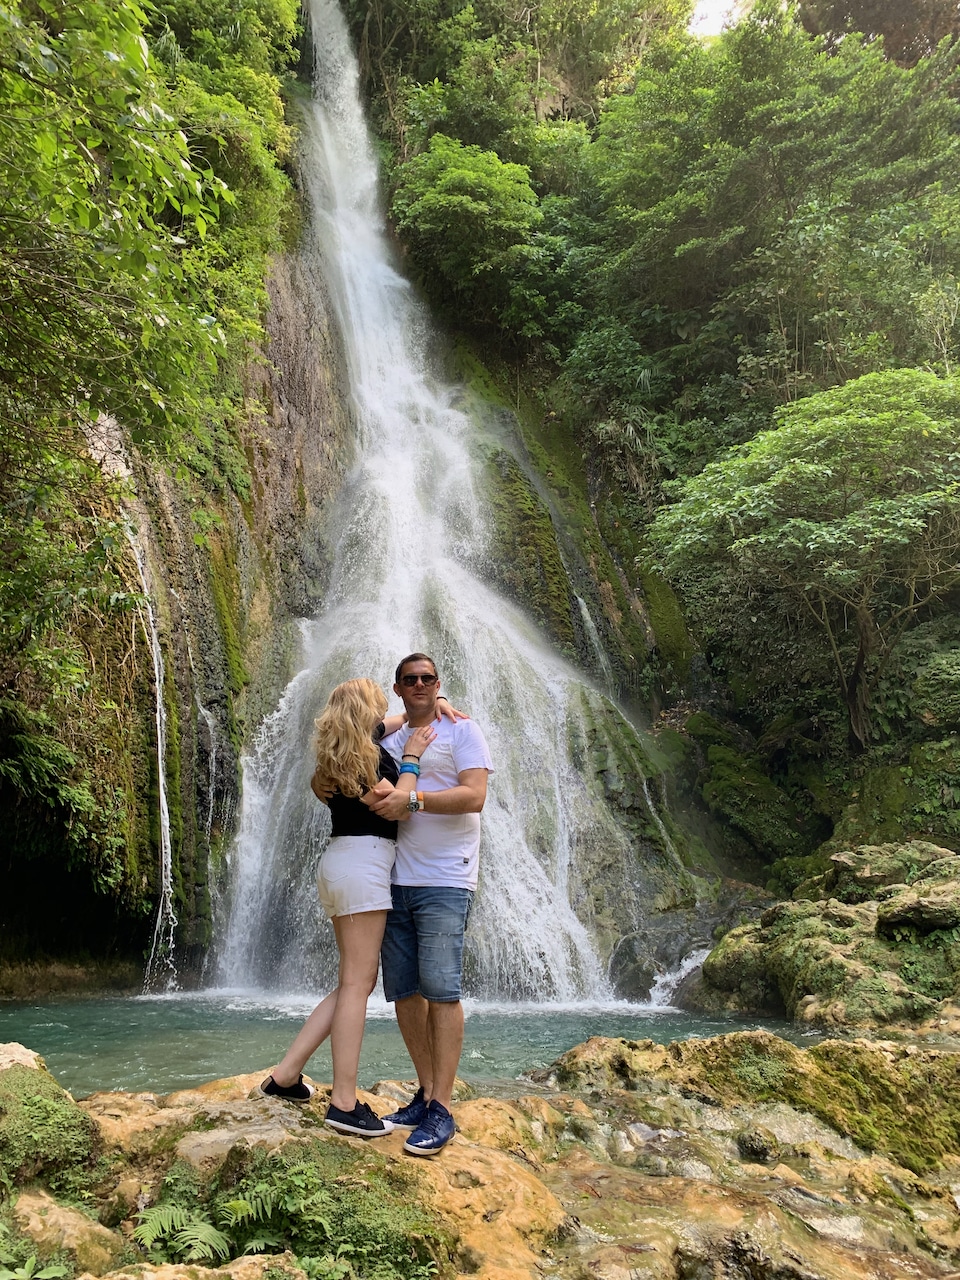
[441,917]
[445,1028]
[433,1033]
[412,1018]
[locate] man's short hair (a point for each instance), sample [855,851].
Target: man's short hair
[414,657]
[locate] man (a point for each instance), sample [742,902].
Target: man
[434,879]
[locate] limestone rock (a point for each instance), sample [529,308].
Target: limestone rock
[249,1268]
[54,1227]
[500,1211]
[886,1097]
[741,1155]
[867,944]
[14,1054]
[923,912]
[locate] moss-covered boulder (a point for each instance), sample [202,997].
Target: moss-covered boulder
[43,1133]
[871,942]
[896,1099]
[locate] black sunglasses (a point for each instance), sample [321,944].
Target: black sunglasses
[427,680]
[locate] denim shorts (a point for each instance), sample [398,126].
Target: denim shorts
[422,949]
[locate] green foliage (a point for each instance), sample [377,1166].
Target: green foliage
[49,799]
[848,514]
[18,1265]
[142,153]
[32,1270]
[468,218]
[43,1133]
[342,1214]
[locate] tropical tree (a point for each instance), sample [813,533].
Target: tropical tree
[910,29]
[469,219]
[844,521]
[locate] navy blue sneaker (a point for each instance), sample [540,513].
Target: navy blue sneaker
[412,1115]
[433,1134]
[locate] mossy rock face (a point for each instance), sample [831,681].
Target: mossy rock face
[43,1133]
[919,798]
[898,1100]
[525,561]
[737,791]
[674,645]
[872,942]
[857,875]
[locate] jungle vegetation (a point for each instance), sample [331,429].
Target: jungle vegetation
[143,190]
[727,272]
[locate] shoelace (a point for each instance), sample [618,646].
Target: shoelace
[432,1122]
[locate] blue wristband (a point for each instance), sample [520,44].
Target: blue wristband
[410,768]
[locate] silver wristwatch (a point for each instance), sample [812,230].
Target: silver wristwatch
[414,804]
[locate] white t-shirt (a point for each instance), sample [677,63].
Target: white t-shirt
[441,848]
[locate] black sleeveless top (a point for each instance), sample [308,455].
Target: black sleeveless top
[352,818]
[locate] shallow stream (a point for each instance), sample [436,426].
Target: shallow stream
[162,1043]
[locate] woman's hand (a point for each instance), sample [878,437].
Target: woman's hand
[446,709]
[419,740]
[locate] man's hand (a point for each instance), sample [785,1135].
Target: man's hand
[393,807]
[319,790]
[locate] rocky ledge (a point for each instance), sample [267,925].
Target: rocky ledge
[872,942]
[739,1157]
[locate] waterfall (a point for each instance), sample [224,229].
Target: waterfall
[667,983]
[160,972]
[596,644]
[411,542]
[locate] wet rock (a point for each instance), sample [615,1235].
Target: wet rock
[758,1145]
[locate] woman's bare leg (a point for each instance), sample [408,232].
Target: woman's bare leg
[307,1041]
[358,938]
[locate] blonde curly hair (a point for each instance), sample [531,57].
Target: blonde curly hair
[348,759]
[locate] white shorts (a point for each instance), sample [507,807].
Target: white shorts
[354,875]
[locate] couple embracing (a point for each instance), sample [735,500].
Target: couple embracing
[397,880]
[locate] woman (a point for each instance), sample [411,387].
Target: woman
[354,885]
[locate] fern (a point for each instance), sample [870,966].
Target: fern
[160,1220]
[264,1242]
[200,1241]
[256,1207]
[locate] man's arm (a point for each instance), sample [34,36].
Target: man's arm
[467,796]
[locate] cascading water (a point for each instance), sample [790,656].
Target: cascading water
[160,973]
[411,544]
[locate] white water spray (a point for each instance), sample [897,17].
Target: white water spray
[409,574]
